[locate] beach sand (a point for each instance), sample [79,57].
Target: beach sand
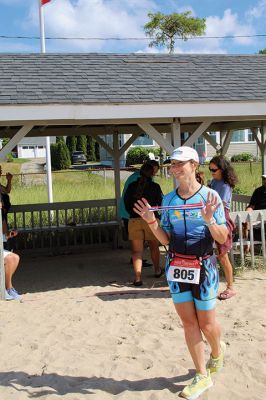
[82,331]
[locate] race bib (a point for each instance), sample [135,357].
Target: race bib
[184,270]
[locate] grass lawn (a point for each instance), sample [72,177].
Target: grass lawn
[76,185]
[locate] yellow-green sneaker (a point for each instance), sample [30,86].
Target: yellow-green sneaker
[199,384]
[216,364]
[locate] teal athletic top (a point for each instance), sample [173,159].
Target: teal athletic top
[189,233]
[122,209]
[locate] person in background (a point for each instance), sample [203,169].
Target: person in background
[124,215]
[223,181]
[4,191]
[257,202]
[11,261]
[138,230]
[191,269]
[258,198]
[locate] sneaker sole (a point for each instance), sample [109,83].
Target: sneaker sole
[195,396]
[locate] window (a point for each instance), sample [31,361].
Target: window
[250,136]
[184,137]
[143,140]
[213,134]
[200,140]
[238,136]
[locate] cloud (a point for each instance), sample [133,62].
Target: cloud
[258,11]
[96,18]
[229,25]
[120,19]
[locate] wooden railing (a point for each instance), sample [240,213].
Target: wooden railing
[242,243]
[65,224]
[239,202]
[73,224]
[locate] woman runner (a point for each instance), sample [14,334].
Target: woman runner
[191,267]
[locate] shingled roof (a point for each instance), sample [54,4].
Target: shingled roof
[130,78]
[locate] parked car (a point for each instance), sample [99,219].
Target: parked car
[78,157]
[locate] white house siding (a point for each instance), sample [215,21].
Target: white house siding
[33,147]
[27,151]
[236,148]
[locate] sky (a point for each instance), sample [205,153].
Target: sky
[125,19]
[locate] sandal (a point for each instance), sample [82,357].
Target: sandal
[137,283]
[160,273]
[226,294]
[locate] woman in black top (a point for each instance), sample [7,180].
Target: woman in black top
[138,229]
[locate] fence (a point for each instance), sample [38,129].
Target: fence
[256,221]
[65,224]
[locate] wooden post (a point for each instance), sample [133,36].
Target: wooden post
[2,267]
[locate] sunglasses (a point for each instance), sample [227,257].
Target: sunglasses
[213,169]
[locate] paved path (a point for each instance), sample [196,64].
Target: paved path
[34,172]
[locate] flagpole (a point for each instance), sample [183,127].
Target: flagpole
[48,153]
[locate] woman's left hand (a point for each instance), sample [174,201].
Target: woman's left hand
[210,207]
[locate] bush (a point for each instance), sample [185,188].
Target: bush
[71,142]
[242,157]
[91,149]
[60,158]
[137,155]
[82,144]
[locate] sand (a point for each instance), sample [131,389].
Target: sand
[82,331]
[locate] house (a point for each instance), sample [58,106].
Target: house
[33,147]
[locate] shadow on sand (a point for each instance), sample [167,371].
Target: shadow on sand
[62,384]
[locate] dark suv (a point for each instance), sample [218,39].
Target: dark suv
[78,157]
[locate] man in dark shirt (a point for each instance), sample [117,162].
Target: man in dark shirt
[258,199]
[257,202]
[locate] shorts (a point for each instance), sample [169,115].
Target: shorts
[6,253]
[227,245]
[204,293]
[138,229]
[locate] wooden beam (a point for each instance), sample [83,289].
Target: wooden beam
[103,144]
[126,145]
[211,140]
[15,139]
[198,132]
[155,135]
[226,142]
[176,133]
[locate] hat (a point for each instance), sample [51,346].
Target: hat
[263,176]
[185,153]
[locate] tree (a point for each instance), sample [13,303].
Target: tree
[90,149]
[60,139]
[60,158]
[97,151]
[82,144]
[71,142]
[164,29]
[262,51]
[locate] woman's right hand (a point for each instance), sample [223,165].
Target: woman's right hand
[141,207]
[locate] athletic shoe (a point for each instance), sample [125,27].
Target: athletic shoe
[216,364]
[8,296]
[13,293]
[199,384]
